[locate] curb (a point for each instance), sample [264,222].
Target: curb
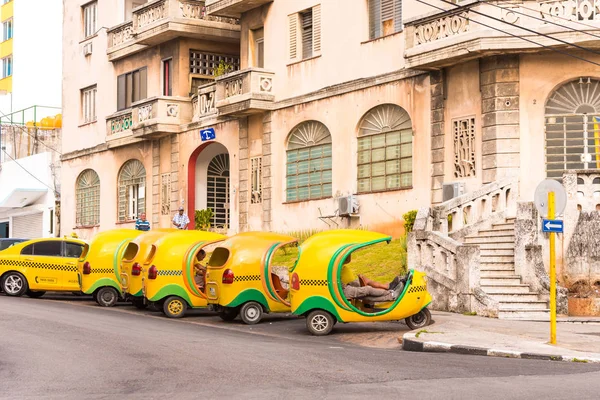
[409,343]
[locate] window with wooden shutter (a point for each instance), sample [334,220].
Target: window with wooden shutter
[132,87]
[293,28]
[316,16]
[385,17]
[306,19]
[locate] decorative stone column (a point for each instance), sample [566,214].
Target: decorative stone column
[266,172]
[244,178]
[436,80]
[499,80]
[155,183]
[175,197]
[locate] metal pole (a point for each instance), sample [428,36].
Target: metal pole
[551,216]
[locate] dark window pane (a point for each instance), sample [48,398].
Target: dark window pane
[27,250]
[50,248]
[73,250]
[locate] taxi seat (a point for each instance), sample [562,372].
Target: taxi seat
[281,292]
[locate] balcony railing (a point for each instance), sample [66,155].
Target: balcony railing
[161,20]
[465,33]
[153,117]
[232,8]
[245,92]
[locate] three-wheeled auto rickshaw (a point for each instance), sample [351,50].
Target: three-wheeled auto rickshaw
[171,283]
[317,293]
[240,277]
[100,265]
[135,264]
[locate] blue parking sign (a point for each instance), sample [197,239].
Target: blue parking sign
[207,134]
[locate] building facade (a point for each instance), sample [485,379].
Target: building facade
[30,56]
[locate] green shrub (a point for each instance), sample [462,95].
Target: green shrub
[409,220]
[222,69]
[202,219]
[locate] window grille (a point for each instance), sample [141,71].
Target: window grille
[464,147]
[203,63]
[132,190]
[87,198]
[217,191]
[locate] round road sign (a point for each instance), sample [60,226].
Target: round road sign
[541,197]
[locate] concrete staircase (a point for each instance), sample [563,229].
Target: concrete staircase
[498,276]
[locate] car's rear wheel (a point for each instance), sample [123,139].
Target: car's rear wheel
[37,294]
[107,296]
[251,313]
[228,314]
[320,322]
[14,284]
[174,307]
[419,320]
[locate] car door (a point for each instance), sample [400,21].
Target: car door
[44,264]
[71,253]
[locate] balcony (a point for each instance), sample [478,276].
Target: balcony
[245,92]
[150,119]
[232,8]
[159,21]
[444,38]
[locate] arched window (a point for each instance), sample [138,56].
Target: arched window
[308,162]
[217,190]
[87,198]
[573,127]
[132,190]
[385,149]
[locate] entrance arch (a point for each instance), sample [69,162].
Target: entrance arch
[572,122]
[209,183]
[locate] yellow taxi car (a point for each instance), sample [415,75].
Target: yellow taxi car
[36,266]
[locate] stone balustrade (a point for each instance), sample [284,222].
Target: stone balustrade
[119,123]
[205,102]
[244,91]
[233,8]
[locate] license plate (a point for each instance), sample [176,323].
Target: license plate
[212,291]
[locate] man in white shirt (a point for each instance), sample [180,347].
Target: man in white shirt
[180,220]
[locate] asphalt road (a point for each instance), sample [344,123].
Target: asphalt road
[72,349]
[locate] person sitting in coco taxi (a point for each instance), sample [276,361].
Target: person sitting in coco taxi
[374,292]
[200,270]
[142,224]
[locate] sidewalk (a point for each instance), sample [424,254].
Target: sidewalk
[577,337]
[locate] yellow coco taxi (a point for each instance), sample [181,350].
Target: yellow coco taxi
[171,279]
[316,285]
[100,265]
[240,279]
[36,266]
[135,264]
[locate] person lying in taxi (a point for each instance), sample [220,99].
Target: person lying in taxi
[200,270]
[373,291]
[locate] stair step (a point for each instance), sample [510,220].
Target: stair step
[496,252]
[490,239]
[496,280]
[525,315]
[524,305]
[490,264]
[496,232]
[490,273]
[496,259]
[496,246]
[508,297]
[505,289]
[503,225]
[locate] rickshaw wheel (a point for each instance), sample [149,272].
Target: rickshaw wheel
[320,322]
[174,307]
[139,304]
[419,320]
[228,314]
[251,313]
[107,296]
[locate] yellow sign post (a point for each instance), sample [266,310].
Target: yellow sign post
[551,216]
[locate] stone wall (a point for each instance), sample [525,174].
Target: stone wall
[244,174]
[437,135]
[499,80]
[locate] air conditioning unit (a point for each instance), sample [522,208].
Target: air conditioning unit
[452,190]
[87,49]
[347,205]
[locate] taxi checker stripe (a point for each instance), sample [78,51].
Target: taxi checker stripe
[169,272]
[313,282]
[415,289]
[101,271]
[31,264]
[246,278]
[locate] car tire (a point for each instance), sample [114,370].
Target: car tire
[320,322]
[107,296]
[419,320]
[140,304]
[174,307]
[251,313]
[228,314]
[14,284]
[37,294]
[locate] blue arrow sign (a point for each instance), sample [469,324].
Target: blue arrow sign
[207,134]
[552,225]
